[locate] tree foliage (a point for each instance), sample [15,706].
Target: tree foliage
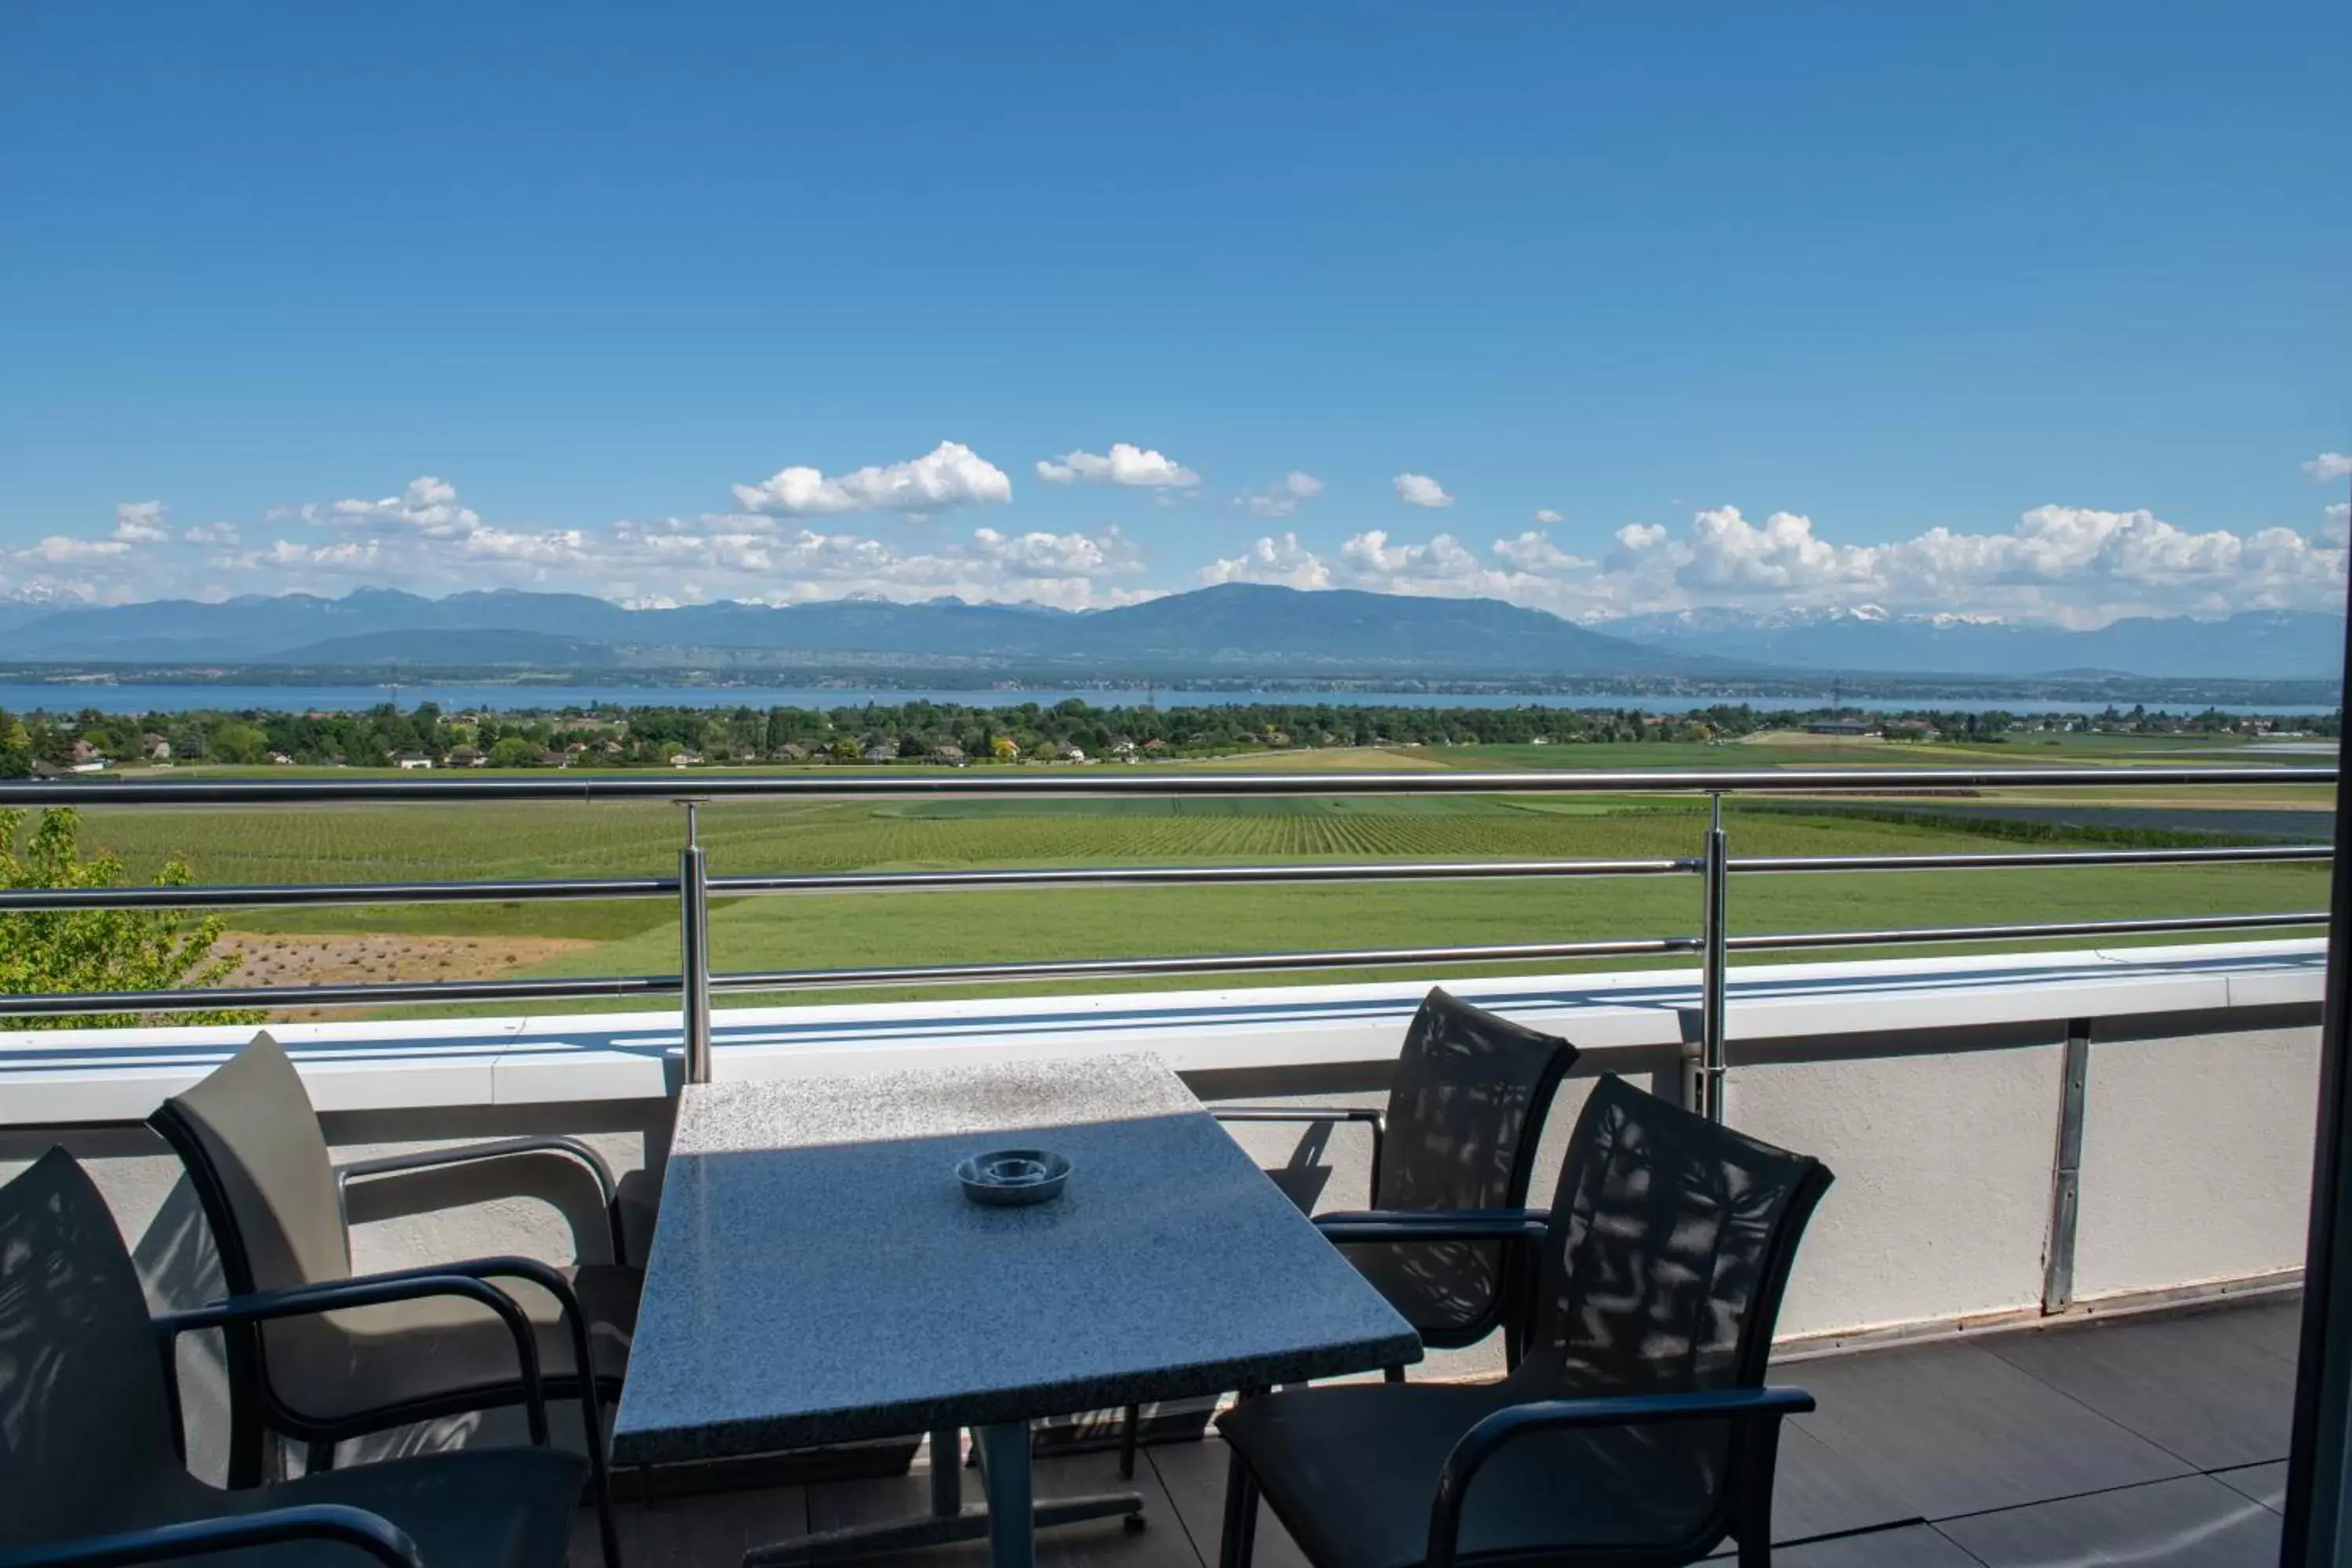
[97,950]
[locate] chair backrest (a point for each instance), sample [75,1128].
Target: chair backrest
[1670,1245]
[1466,1108]
[1471,1093]
[250,1139]
[86,1413]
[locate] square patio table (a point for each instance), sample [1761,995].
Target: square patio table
[818,1276]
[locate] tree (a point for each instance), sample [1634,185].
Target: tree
[233,740]
[513,751]
[48,951]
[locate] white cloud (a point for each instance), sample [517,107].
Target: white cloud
[140,522]
[951,475]
[2075,565]
[59,549]
[1282,498]
[1420,489]
[1534,551]
[1124,464]
[2329,466]
[1548,518]
[1284,562]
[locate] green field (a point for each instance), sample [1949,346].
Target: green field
[360,843]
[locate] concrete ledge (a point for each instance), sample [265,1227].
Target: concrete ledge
[1637,1020]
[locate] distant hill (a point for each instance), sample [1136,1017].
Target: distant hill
[1235,628]
[1232,630]
[2254,644]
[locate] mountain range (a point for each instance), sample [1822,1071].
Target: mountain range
[2253,645]
[1239,629]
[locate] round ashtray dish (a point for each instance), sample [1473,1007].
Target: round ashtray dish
[1009,1178]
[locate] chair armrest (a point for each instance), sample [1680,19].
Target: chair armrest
[374,1290]
[504,1148]
[1375,1119]
[549,1280]
[1296,1114]
[355,1528]
[1433,1225]
[1483,1441]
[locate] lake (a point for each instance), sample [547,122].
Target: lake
[71,697]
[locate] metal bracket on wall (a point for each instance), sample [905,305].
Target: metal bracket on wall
[2066,1179]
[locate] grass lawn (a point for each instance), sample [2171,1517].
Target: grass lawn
[490,841]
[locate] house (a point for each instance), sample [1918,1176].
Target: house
[96,766]
[1066,753]
[1155,746]
[687,760]
[410,761]
[467,757]
[881,751]
[555,759]
[1840,727]
[948,752]
[789,753]
[158,749]
[42,769]
[83,751]
[280,759]
[1122,748]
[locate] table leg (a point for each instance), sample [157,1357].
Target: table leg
[947,1472]
[1004,1476]
[950,1519]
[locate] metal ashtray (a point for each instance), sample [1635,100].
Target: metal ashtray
[1009,1178]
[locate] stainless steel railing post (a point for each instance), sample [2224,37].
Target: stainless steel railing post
[694,950]
[1715,951]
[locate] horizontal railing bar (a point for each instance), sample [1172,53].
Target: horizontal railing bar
[382,992]
[1150,876]
[2222,854]
[300,895]
[390,993]
[1099,782]
[18,900]
[1782,941]
[1205,964]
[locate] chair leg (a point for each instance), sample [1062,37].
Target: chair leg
[318,1459]
[600,1474]
[1391,1375]
[1241,1515]
[1129,1420]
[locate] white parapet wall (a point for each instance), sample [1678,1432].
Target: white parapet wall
[1932,1086]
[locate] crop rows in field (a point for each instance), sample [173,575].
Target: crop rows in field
[503,841]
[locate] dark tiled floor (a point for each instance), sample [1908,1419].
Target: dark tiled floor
[2151,1441]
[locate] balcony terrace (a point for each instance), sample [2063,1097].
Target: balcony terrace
[2048,1309]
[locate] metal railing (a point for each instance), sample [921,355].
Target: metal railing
[694,887]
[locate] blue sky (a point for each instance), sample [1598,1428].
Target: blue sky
[2034,311]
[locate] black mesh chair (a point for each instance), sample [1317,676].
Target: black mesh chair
[1636,1428]
[91,1472]
[1465,1112]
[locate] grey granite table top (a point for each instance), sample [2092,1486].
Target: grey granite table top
[818,1276]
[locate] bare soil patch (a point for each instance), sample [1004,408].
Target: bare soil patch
[273,958]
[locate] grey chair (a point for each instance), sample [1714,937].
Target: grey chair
[273,1197]
[1464,1113]
[1636,1428]
[91,1468]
